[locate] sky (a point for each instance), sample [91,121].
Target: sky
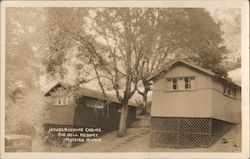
[235,75]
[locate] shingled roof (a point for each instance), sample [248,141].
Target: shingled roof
[89,93]
[165,69]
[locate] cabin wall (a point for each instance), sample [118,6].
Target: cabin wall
[60,115]
[183,103]
[191,118]
[90,117]
[61,109]
[224,107]
[131,115]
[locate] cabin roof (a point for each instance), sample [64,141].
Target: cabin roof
[89,93]
[58,84]
[165,69]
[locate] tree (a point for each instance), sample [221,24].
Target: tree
[104,58]
[136,44]
[115,59]
[162,35]
[24,34]
[23,38]
[230,24]
[205,41]
[124,46]
[62,25]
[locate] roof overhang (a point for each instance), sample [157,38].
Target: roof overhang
[90,93]
[165,69]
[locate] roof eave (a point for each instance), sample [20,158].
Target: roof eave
[166,68]
[110,96]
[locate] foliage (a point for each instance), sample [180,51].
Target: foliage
[62,25]
[205,41]
[230,22]
[26,114]
[25,105]
[23,41]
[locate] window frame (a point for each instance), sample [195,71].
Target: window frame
[187,83]
[61,101]
[230,91]
[95,103]
[174,84]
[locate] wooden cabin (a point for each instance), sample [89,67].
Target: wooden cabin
[86,109]
[191,106]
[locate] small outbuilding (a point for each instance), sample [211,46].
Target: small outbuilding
[192,106]
[87,108]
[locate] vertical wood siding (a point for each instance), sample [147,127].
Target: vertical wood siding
[89,117]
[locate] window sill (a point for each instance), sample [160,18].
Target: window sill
[94,107]
[229,96]
[61,105]
[182,90]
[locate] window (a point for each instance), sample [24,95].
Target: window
[229,91]
[187,83]
[174,84]
[93,103]
[61,101]
[180,83]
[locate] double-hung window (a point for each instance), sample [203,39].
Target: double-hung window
[229,91]
[174,85]
[187,82]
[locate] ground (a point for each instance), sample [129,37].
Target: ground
[138,140]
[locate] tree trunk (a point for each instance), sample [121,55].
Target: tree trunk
[145,102]
[144,94]
[123,121]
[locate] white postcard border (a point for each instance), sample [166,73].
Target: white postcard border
[173,4]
